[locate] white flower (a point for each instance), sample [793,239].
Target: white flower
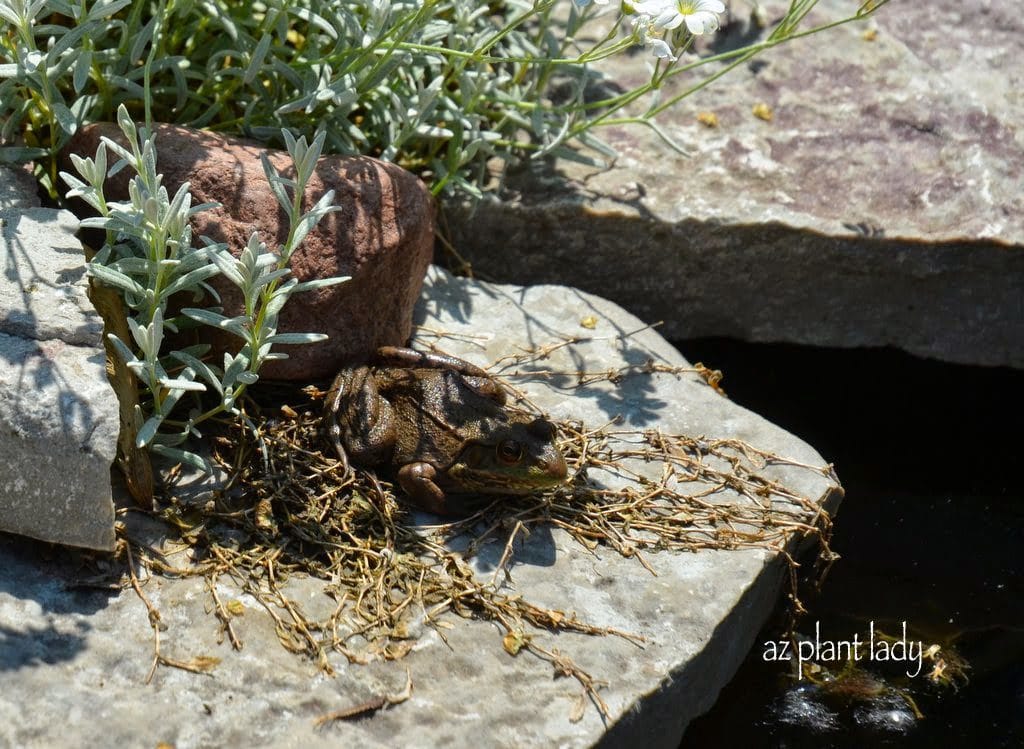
[701,16]
[660,48]
[643,29]
[32,61]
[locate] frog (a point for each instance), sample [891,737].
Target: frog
[442,426]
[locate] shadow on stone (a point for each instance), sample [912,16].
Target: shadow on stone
[535,550]
[634,402]
[45,609]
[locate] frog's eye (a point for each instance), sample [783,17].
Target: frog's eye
[509,452]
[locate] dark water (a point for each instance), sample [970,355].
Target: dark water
[931,533]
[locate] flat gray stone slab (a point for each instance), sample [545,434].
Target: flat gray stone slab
[58,413]
[76,660]
[58,436]
[42,288]
[880,206]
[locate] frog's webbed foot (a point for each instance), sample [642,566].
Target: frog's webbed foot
[417,480]
[334,435]
[487,387]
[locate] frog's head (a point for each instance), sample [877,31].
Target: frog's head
[518,458]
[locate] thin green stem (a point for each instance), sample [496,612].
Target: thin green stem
[158,24]
[743,55]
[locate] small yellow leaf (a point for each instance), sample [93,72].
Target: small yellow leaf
[201,664]
[708,119]
[204,662]
[513,642]
[236,607]
[763,111]
[589,322]
[398,650]
[265,516]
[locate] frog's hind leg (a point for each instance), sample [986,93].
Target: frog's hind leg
[359,421]
[407,357]
[479,380]
[330,423]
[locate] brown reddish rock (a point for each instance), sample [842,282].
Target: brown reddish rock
[382,237]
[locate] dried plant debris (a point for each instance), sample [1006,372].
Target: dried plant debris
[289,507]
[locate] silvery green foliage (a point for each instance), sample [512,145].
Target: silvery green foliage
[439,86]
[45,72]
[149,257]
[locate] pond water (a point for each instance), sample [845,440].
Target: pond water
[931,533]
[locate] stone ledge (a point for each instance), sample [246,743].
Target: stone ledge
[881,205]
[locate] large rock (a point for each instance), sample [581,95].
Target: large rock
[58,414]
[880,206]
[43,286]
[383,238]
[58,436]
[76,661]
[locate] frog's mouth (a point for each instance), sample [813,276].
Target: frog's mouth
[482,469]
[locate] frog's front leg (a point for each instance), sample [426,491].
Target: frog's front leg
[417,479]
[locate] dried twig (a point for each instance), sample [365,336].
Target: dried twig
[151,610]
[372,705]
